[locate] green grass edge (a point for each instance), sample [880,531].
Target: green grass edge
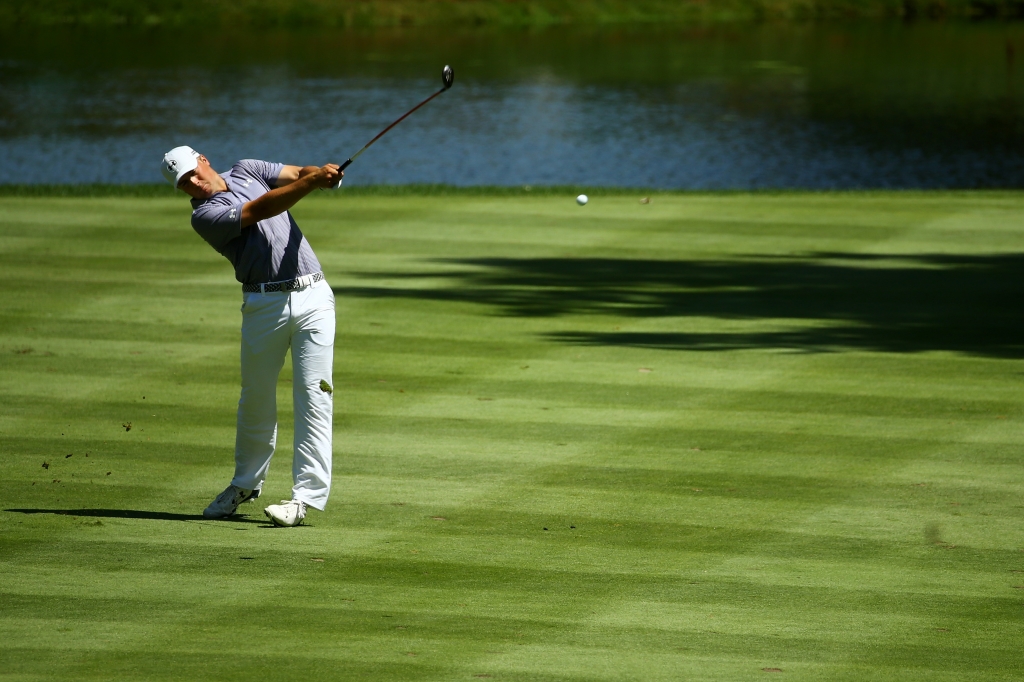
[404,13]
[165,191]
[426,190]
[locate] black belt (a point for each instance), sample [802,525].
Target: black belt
[287,285]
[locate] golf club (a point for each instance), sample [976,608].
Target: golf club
[447,78]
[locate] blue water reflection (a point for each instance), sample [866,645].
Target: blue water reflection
[774,127]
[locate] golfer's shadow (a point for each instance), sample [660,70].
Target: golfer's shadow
[132,514]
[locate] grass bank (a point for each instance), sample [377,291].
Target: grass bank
[704,437]
[164,190]
[380,13]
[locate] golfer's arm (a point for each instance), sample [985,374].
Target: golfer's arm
[290,174]
[277,201]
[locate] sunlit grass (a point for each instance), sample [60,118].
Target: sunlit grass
[710,436]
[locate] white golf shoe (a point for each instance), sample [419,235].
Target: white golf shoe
[227,502]
[288,513]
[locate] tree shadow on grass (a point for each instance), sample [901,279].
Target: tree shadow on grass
[817,302]
[131,514]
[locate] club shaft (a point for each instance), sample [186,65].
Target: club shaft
[381,133]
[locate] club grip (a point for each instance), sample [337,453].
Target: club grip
[342,167]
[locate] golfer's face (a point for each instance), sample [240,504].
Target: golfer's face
[198,183]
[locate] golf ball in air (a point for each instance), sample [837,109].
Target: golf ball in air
[582,199]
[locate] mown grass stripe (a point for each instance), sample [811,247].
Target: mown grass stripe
[840,507]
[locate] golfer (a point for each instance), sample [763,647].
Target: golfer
[286,303]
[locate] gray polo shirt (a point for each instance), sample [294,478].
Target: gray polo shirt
[272,250]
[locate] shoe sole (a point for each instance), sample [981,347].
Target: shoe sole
[217,517]
[252,496]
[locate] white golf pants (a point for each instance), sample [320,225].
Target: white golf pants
[302,320]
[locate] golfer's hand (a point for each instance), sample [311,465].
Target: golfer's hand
[328,176]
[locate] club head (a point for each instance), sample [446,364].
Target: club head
[448,76]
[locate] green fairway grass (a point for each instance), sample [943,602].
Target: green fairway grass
[707,437]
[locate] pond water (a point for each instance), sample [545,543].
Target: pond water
[862,106]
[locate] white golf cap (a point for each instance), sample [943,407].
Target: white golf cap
[177,162]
